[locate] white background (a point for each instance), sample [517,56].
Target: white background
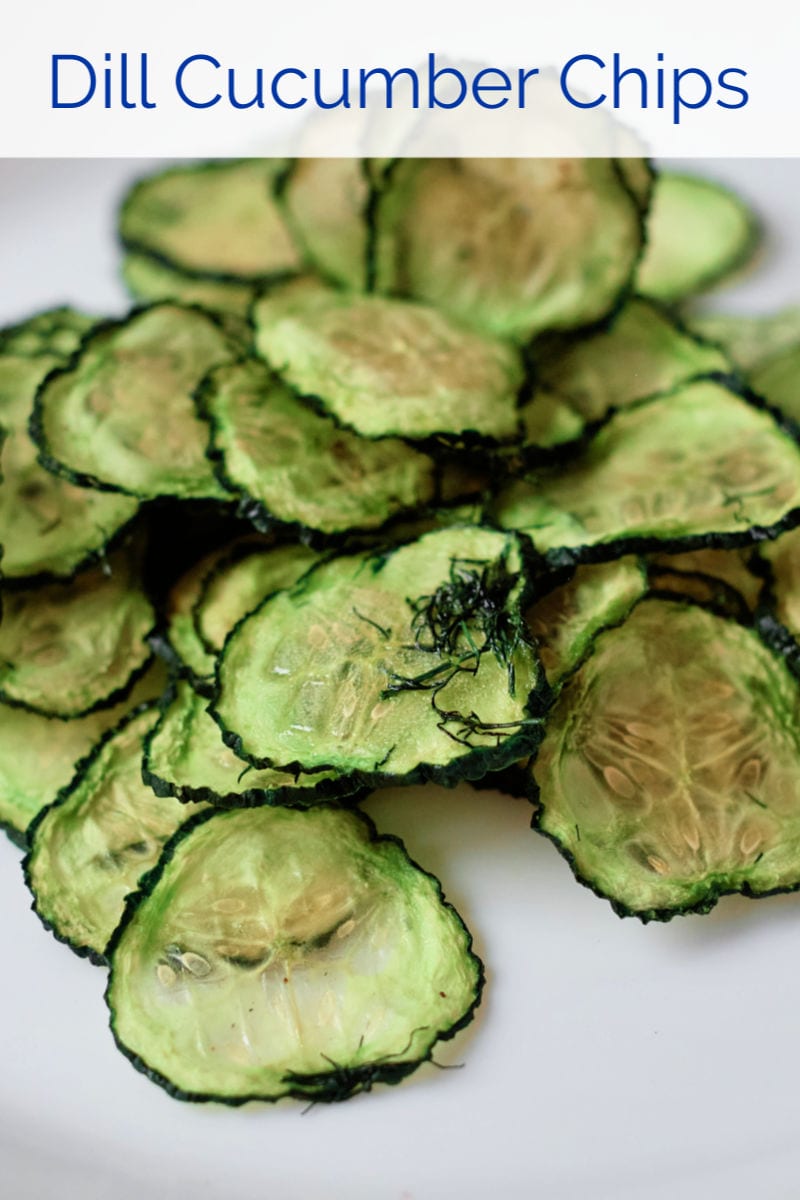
[609,1060]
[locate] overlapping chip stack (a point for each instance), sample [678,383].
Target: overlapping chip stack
[399,471]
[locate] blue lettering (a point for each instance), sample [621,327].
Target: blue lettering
[187,62]
[55,98]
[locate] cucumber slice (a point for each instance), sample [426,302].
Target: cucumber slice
[389,367]
[778,381]
[243,579]
[185,757]
[121,417]
[327,203]
[698,233]
[90,847]
[750,341]
[698,467]
[47,525]
[391,667]
[279,952]
[67,648]
[642,354]
[730,567]
[783,556]
[56,333]
[20,377]
[184,649]
[705,590]
[149,281]
[668,773]
[212,220]
[566,621]
[548,421]
[214,595]
[639,177]
[512,246]
[267,443]
[39,755]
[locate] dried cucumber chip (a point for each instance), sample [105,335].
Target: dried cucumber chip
[513,246]
[641,354]
[729,567]
[698,232]
[248,574]
[700,466]
[778,381]
[67,648]
[214,220]
[281,952]
[783,556]
[122,415]
[567,619]
[214,595]
[38,755]
[47,525]
[397,666]
[388,367]
[292,464]
[750,341]
[326,202]
[55,333]
[668,773]
[149,280]
[186,757]
[104,830]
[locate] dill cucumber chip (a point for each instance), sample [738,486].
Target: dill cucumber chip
[639,177]
[398,665]
[729,567]
[512,246]
[184,647]
[326,202]
[241,581]
[122,416]
[214,595]
[103,831]
[186,757]
[698,233]
[69,647]
[38,755]
[548,420]
[47,525]
[567,619]
[214,220]
[750,341]
[20,376]
[284,952]
[389,367]
[714,594]
[56,333]
[149,280]
[292,464]
[642,353]
[778,381]
[564,621]
[668,772]
[783,556]
[700,466]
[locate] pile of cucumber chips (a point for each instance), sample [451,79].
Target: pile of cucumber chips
[398,471]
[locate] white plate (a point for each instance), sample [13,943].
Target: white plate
[609,1059]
